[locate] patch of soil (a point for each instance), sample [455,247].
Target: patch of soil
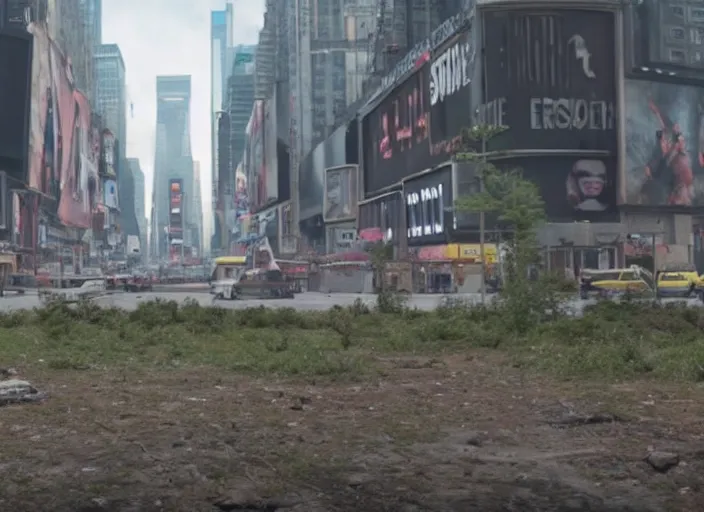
[457,434]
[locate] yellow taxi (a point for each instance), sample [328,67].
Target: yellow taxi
[678,280]
[615,281]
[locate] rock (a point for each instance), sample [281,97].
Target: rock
[18,391]
[7,373]
[662,461]
[474,439]
[248,500]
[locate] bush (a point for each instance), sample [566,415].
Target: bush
[609,341]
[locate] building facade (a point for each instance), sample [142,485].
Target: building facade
[197,211]
[221,42]
[173,157]
[139,201]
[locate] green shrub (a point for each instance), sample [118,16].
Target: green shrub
[609,341]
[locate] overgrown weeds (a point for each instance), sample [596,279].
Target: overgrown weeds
[610,340]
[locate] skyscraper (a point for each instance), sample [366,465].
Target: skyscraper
[197,210]
[139,201]
[173,158]
[111,103]
[221,39]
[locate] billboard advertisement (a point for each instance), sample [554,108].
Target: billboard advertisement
[176,209]
[15,76]
[396,134]
[550,79]
[256,160]
[340,200]
[574,188]
[108,153]
[381,218]
[429,205]
[110,192]
[664,144]
[451,73]
[271,168]
[63,159]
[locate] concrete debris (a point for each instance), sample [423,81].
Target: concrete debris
[14,391]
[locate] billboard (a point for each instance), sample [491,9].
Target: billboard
[381,218]
[451,73]
[429,205]
[63,160]
[340,200]
[15,76]
[551,79]
[271,168]
[176,213]
[395,134]
[109,148]
[255,161]
[110,191]
[664,144]
[574,188]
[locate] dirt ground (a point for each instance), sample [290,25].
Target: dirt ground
[459,434]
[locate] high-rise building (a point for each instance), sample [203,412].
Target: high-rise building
[111,91]
[197,210]
[111,105]
[221,40]
[173,158]
[139,201]
[93,19]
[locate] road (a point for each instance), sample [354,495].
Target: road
[310,301]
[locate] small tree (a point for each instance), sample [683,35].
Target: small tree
[517,203]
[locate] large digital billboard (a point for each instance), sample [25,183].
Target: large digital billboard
[63,160]
[15,80]
[664,145]
[429,205]
[551,79]
[396,134]
[176,210]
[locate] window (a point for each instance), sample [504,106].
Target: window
[678,56]
[677,10]
[677,34]
[697,14]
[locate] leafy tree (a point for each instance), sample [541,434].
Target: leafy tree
[517,204]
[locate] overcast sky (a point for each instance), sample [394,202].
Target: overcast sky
[171,37]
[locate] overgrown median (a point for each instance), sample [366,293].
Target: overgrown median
[612,341]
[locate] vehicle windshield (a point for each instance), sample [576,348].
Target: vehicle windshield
[668,276]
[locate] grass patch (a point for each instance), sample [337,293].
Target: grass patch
[610,341]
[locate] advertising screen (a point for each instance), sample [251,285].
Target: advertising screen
[175,209]
[110,189]
[256,157]
[451,74]
[429,205]
[340,193]
[108,153]
[573,188]
[63,161]
[15,74]
[396,134]
[550,79]
[664,144]
[271,168]
[381,218]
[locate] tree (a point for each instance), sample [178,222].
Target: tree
[517,204]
